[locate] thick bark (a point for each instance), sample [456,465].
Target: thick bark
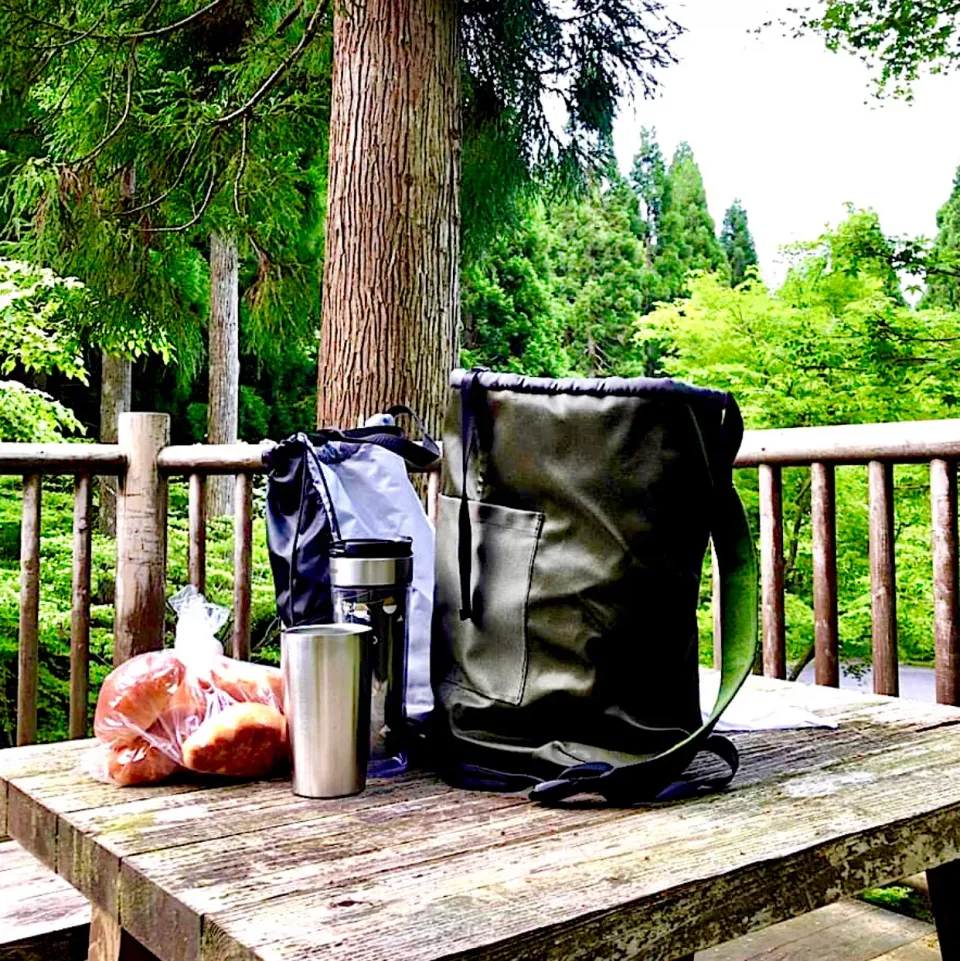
[224,377]
[116,387]
[391,295]
[116,392]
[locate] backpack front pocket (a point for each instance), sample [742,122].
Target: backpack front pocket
[487,654]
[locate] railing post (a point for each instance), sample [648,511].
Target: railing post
[28,645]
[943,505]
[824,521]
[883,580]
[141,537]
[197,540]
[80,607]
[242,557]
[771,571]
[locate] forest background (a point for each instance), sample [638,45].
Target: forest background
[607,273]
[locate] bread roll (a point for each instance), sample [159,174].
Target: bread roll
[243,740]
[138,762]
[184,713]
[244,681]
[135,694]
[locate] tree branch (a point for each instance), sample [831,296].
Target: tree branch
[242,165]
[176,183]
[82,34]
[92,155]
[195,219]
[172,27]
[80,74]
[309,31]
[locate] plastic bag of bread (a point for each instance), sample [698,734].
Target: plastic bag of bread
[189,708]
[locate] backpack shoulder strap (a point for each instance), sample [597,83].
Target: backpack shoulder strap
[645,779]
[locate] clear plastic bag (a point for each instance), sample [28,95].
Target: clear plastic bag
[189,708]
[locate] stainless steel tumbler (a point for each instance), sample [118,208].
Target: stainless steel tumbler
[326,689]
[369,584]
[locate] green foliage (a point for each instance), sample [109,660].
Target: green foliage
[512,317]
[898,38]
[604,277]
[649,179]
[902,900]
[33,417]
[156,124]
[41,316]
[41,320]
[526,59]
[834,345]
[737,243]
[55,591]
[943,273]
[686,234]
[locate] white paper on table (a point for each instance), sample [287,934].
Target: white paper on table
[753,710]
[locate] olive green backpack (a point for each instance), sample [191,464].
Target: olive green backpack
[573,525]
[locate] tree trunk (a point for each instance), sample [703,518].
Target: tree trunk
[391,291]
[224,367]
[116,389]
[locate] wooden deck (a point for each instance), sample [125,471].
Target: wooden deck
[846,931]
[42,917]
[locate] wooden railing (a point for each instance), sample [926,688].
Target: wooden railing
[144,461]
[879,447]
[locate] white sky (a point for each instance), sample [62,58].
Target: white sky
[793,130]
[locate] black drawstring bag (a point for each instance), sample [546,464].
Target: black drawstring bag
[301,517]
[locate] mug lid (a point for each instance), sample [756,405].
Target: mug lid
[373,547]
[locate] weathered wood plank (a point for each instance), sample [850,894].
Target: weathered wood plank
[265,868]
[80,606]
[33,826]
[824,524]
[34,759]
[27,645]
[598,892]
[845,931]
[883,580]
[923,949]
[40,913]
[946,611]
[197,537]
[92,843]
[108,942]
[771,572]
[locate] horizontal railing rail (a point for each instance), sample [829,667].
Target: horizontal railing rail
[145,464]
[906,442]
[880,447]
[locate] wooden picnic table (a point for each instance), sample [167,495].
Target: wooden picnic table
[417,871]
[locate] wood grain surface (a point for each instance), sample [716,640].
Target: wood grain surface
[417,870]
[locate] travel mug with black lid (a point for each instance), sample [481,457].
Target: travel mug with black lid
[369,584]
